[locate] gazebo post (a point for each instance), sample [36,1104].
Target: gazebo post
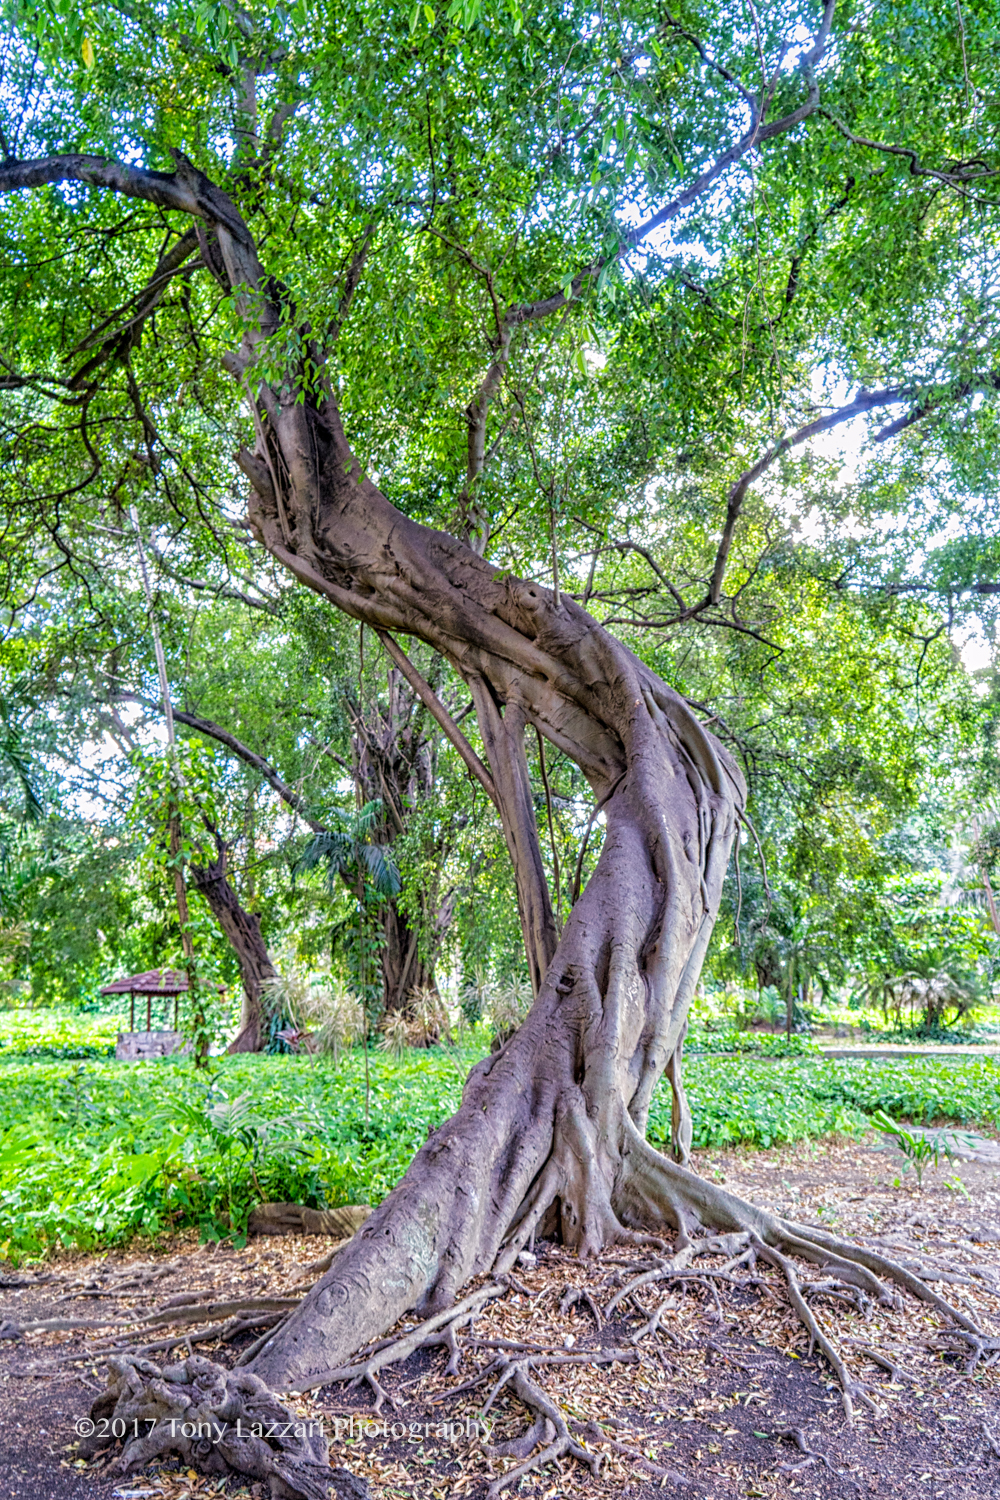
[177,1001]
[131,1024]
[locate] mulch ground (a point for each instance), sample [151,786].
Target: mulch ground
[700,1414]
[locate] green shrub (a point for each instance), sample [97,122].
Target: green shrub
[763,1044]
[57,1034]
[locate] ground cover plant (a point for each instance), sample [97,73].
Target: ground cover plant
[96,1151]
[54,1034]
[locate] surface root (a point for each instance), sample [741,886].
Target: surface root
[220,1421]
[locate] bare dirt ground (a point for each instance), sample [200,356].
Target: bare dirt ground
[699,1410]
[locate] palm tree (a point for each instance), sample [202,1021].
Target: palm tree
[348,850]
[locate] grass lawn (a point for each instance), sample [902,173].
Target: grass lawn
[92,1150]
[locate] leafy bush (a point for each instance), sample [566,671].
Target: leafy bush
[122,1147]
[763,1044]
[313,1004]
[57,1034]
[754,1102]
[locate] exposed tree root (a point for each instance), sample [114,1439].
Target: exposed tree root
[979,1345]
[240,1308]
[573,1295]
[169,1315]
[593,1431]
[815,1268]
[851,1273]
[601,1198]
[219,1420]
[366,1369]
[561,1443]
[811,1457]
[212,1333]
[892,1367]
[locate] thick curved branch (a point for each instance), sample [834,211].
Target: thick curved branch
[186,190]
[165,189]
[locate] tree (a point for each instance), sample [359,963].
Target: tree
[507,227]
[366,866]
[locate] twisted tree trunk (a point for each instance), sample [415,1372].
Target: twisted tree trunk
[241,928]
[551,1128]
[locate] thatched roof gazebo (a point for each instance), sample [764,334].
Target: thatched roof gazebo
[153,982]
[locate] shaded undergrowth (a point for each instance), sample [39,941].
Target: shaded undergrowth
[93,1151]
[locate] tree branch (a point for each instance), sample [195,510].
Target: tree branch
[250,757]
[186,190]
[978,383]
[863,401]
[961,174]
[220,590]
[177,259]
[437,710]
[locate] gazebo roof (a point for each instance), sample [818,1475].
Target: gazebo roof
[153,982]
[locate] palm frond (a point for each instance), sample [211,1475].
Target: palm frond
[331,848]
[382,868]
[367,818]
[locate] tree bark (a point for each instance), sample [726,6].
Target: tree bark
[242,930]
[403,970]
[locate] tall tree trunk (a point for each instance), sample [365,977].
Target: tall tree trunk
[242,930]
[551,1128]
[403,970]
[393,764]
